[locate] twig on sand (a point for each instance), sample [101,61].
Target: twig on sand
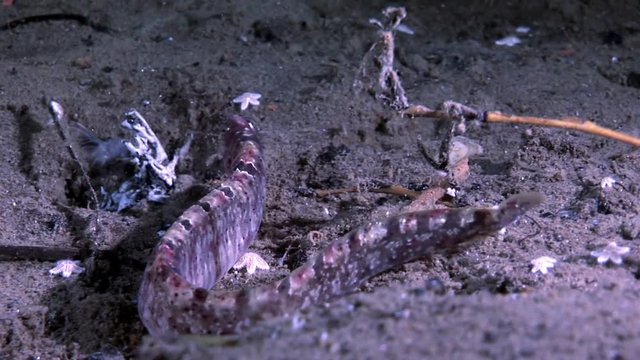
[576,124]
[58,119]
[389,88]
[455,111]
[391,189]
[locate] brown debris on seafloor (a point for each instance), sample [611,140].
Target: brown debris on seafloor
[389,88]
[382,189]
[460,150]
[456,150]
[155,176]
[456,165]
[448,111]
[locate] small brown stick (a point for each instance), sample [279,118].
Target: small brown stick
[576,124]
[449,110]
[392,190]
[80,19]
[329,192]
[39,253]
[397,190]
[454,111]
[57,116]
[47,253]
[427,199]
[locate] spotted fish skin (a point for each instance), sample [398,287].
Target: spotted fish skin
[347,262]
[210,236]
[207,239]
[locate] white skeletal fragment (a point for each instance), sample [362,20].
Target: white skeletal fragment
[508,41]
[147,148]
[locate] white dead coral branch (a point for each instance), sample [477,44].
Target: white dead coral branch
[146,147]
[389,87]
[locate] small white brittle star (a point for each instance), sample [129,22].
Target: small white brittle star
[607,182]
[251,261]
[247,99]
[542,264]
[66,268]
[612,252]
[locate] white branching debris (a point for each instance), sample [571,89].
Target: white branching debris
[66,268]
[251,261]
[542,264]
[154,171]
[148,150]
[388,86]
[149,156]
[612,252]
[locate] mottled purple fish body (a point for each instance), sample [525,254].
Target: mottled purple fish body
[207,239]
[202,245]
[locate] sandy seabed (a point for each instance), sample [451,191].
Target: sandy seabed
[181,64]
